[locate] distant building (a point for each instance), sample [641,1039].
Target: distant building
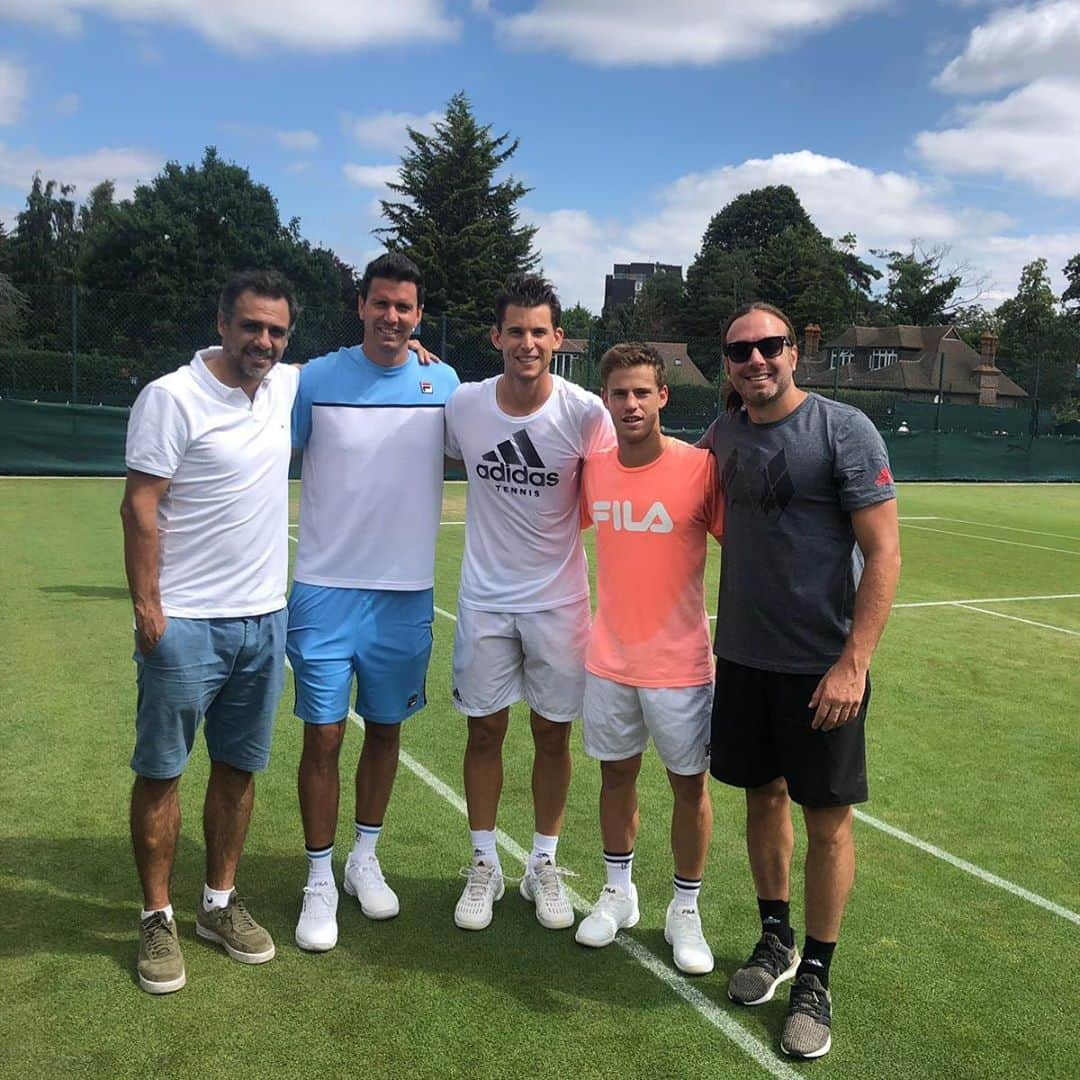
[571,361]
[914,361]
[627,279]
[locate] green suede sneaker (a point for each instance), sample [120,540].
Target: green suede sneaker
[233,928]
[161,964]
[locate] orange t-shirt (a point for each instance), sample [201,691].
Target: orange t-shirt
[650,627]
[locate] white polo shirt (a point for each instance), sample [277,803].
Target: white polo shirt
[224,520]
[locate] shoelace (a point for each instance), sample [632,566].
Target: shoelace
[549,877]
[771,954]
[808,1000]
[608,897]
[238,916]
[320,894]
[371,866]
[159,941]
[480,879]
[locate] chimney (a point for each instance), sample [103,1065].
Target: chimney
[987,374]
[811,341]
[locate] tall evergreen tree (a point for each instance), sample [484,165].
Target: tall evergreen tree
[455,220]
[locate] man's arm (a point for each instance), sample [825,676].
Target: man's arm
[840,692]
[138,512]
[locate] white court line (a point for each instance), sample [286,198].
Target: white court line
[1016,618]
[707,1009]
[929,517]
[1007,528]
[987,600]
[989,539]
[971,868]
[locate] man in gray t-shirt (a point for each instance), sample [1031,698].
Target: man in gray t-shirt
[811,563]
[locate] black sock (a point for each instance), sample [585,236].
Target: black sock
[816,958]
[776,919]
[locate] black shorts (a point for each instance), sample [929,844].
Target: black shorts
[761,731]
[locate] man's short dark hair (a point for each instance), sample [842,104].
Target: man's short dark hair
[631,354]
[528,291]
[270,284]
[393,266]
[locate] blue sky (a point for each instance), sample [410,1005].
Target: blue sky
[954,122]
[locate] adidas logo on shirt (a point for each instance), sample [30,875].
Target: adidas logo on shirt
[516,462]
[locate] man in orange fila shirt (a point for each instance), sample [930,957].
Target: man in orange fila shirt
[649,664]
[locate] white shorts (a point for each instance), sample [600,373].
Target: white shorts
[538,656]
[619,720]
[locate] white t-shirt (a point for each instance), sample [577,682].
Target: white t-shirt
[224,520]
[372,486]
[522,527]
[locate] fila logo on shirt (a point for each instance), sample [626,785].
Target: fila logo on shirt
[621,516]
[516,461]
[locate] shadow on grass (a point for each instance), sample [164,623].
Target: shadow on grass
[86,592]
[79,896]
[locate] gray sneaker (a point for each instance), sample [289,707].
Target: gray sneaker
[161,963]
[233,927]
[770,964]
[808,1029]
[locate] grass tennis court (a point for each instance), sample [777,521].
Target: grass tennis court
[960,968]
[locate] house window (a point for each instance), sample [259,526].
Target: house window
[880,358]
[840,357]
[562,364]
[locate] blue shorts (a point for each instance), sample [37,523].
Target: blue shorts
[382,636]
[229,670]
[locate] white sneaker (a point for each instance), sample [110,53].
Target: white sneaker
[682,931]
[316,930]
[543,886]
[485,886]
[364,880]
[614,911]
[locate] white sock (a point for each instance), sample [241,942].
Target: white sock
[320,865]
[166,911]
[543,849]
[367,836]
[483,847]
[686,892]
[215,898]
[619,866]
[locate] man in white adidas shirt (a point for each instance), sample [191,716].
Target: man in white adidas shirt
[523,602]
[205,515]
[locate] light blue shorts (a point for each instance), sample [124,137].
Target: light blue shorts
[381,636]
[230,671]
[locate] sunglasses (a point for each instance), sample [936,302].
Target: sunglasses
[738,352]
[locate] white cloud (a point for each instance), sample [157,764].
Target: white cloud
[67,104]
[371,176]
[13,87]
[125,167]
[1033,135]
[388,130]
[243,27]
[884,210]
[297,140]
[1017,45]
[675,32]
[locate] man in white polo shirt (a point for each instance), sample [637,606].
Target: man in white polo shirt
[523,603]
[205,517]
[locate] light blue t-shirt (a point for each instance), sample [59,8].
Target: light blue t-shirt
[371,492]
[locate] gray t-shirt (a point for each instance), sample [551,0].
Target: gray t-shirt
[791,565]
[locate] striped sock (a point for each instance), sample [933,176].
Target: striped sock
[686,892]
[367,836]
[320,866]
[619,865]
